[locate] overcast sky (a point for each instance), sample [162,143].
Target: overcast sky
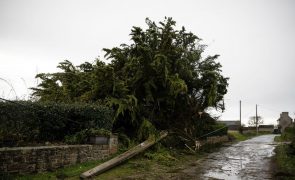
[255,40]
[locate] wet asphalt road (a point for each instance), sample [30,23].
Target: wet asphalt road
[248,159]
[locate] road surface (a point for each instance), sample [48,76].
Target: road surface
[248,159]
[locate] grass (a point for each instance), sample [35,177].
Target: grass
[242,137]
[285,162]
[156,163]
[71,172]
[279,139]
[285,155]
[287,136]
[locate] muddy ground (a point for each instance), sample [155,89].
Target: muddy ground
[250,159]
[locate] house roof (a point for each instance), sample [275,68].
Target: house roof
[284,116]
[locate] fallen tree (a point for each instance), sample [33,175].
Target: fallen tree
[159,81]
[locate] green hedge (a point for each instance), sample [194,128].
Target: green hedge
[36,121]
[289,134]
[207,126]
[219,129]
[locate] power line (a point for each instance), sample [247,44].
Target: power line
[212,132]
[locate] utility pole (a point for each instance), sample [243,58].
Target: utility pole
[256,121]
[240,113]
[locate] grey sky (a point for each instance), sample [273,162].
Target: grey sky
[255,39]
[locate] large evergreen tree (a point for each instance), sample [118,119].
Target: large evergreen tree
[159,81]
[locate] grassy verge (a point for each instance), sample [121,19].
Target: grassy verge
[73,171]
[151,165]
[285,162]
[280,139]
[285,155]
[235,135]
[287,136]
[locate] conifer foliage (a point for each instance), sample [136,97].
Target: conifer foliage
[159,81]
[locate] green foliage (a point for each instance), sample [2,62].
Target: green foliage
[82,136]
[235,135]
[124,142]
[160,78]
[46,121]
[146,129]
[200,128]
[161,155]
[98,132]
[77,138]
[285,162]
[219,129]
[289,134]
[127,104]
[209,127]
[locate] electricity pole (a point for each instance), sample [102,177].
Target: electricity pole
[240,113]
[256,121]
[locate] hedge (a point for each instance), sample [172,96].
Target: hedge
[219,129]
[38,121]
[207,126]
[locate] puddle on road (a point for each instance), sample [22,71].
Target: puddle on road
[221,175]
[246,160]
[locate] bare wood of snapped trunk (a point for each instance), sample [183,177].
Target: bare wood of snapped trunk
[122,157]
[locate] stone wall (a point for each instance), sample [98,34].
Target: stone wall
[47,158]
[211,140]
[216,139]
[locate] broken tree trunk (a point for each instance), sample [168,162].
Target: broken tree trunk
[122,157]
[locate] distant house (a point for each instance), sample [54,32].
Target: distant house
[232,125]
[266,128]
[284,121]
